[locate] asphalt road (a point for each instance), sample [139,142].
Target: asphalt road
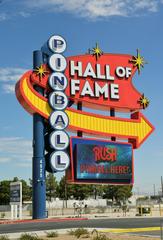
[148,233]
[91,223]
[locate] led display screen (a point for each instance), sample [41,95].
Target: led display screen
[101,161]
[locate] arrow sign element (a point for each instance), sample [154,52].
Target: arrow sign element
[136,129]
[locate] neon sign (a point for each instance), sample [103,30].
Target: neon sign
[97,80]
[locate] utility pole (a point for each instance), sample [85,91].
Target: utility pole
[154,190]
[161,186]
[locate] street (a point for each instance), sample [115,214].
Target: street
[126,224]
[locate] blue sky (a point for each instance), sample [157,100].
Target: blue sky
[119,26]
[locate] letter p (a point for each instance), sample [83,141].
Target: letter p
[57,44]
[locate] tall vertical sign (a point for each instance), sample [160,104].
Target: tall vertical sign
[59,139]
[58,90]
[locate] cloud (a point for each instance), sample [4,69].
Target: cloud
[8,16]
[11,9]
[10,74]
[8,78]
[16,150]
[24,14]
[89,9]
[8,88]
[24,165]
[3,17]
[4,159]
[94,9]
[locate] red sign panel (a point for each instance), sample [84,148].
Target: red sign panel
[106,82]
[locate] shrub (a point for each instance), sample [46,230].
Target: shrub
[52,234]
[2,215]
[79,232]
[26,236]
[99,236]
[4,237]
[71,232]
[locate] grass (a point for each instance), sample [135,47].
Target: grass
[4,237]
[79,232]
[82,232]
[26,236]
[52,234]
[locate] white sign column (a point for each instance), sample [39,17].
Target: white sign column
[59,139]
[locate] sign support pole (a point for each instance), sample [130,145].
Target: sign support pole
[12,212]
[39,185]
[112,114]
[16,211]
[79,107]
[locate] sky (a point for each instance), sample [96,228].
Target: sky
[118,26]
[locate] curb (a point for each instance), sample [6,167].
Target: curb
[42,220]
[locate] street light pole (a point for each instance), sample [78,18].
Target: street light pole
[154,190]
[162,186]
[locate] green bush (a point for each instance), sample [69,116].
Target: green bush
[4,237]
[52,234]
[99,236]
[71,232]
[79,232]
[26,236]
[2,215]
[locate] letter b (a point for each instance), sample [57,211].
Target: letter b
[58,100]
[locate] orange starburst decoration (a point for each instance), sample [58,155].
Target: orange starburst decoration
[96,51]
[41,71]
[144,101]
[138,61]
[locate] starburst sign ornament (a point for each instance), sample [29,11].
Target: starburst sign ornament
[41,71]
[144,101]
[96,51]
[138,61]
